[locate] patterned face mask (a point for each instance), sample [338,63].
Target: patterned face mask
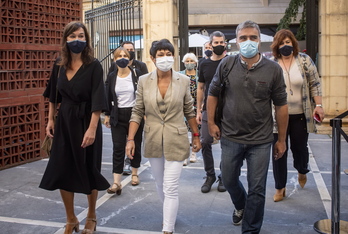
[190,66]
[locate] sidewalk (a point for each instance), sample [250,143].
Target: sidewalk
[27,209]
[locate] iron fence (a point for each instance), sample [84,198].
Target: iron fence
[111,22]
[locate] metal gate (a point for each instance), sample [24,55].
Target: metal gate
[110,23]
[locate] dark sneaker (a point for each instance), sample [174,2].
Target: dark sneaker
[221,187]
[127,170]
[208,183]
[237,217]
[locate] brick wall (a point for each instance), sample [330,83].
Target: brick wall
[30,39]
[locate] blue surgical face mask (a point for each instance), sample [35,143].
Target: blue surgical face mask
[76,46]
[122,63]
[248,49]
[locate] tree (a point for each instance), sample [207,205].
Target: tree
[291,14]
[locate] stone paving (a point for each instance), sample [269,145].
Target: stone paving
[27,209]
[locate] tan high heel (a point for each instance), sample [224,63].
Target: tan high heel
[167,232]
[136,181]
[279,195]
[117,190]
[302,179]
[75,227]
[89,231]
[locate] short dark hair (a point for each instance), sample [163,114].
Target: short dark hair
[127,42]
[163,44]
[278,39]
[216,34]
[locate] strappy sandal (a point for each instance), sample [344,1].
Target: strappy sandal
[136,181]
[89,231]
[75,227]
[117,190]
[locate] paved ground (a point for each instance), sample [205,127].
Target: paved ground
[24,208]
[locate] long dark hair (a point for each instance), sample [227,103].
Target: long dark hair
[87,53]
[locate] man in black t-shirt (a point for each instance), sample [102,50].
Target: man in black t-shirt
[208,52]
[206,73]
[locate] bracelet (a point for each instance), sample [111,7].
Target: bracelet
[130,140]
[319,105]
[196,134]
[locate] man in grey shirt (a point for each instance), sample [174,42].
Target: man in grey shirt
[246,127]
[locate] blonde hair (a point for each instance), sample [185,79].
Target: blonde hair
[118,51]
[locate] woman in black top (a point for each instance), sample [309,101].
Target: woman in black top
[121,85]
[75,162]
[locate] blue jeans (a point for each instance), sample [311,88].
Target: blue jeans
[257,158]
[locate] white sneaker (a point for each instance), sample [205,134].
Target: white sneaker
[185,162]
[193,157]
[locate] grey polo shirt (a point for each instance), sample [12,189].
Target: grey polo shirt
[247,113]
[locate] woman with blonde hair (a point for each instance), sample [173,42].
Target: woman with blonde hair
[121,85]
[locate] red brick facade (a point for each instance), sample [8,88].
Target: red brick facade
[30,40]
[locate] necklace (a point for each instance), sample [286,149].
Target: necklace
[288,72]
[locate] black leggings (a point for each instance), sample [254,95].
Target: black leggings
[297,130]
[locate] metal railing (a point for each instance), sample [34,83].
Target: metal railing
[335,225]
[111,23]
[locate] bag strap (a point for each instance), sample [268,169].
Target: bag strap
[228,66]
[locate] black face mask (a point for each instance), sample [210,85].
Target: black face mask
[131,54]
[208,53]
[218,50]
[76,46]
[122,63]
[286,50]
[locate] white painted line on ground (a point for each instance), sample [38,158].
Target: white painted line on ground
[322,189]
[106,197]
[59,225]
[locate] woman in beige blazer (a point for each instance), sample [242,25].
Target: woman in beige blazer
[163,96]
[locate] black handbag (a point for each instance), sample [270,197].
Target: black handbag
[229,63]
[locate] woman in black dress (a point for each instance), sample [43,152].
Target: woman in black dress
[75,162]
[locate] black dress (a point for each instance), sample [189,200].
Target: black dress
[71,167]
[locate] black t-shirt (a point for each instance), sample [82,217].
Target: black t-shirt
[200,61]
[206,73]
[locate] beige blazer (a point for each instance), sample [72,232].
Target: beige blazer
[166,136]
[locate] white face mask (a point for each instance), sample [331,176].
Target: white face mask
[164,63]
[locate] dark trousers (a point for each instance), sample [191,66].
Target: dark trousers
[297,131]
[207,141]
[119,139]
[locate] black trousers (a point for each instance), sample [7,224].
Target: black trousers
[297,132]
[119,139]
[207,153]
